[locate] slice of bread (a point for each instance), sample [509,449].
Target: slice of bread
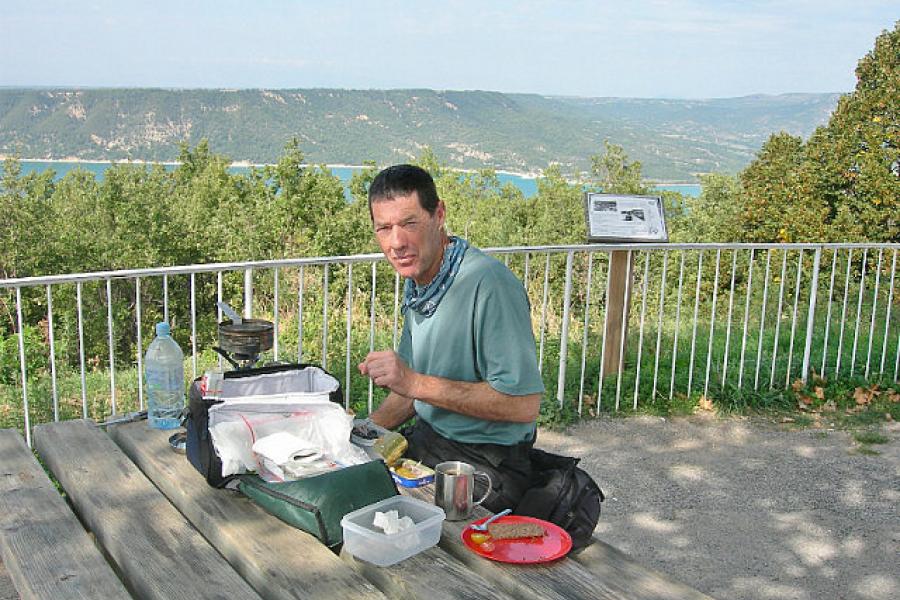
[506,531]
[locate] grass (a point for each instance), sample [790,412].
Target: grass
[732,375]
[706,382]
[867,451]
[870,437]
[837,409]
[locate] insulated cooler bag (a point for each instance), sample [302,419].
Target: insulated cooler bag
[309,382]
[317,504]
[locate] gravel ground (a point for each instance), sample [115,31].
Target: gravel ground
[744,509]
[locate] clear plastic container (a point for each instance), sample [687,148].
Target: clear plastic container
[164,377]
[367,542]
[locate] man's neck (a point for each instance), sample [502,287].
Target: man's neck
[444,243]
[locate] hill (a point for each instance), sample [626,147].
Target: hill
[674,139]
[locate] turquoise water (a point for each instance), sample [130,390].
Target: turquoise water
[528,185]
[688,189]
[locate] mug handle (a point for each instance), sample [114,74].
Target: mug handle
[489,487]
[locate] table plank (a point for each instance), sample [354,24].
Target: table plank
[619,569]
[157,551]
[560,580]
[432,574]
[45,550]
[279,561]
[7,589]
[564,579]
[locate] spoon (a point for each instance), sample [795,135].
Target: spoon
[484,526]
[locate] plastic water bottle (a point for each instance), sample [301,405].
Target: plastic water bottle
[164,376]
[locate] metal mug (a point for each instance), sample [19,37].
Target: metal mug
[454,486]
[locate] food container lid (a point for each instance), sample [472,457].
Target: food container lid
[424,514]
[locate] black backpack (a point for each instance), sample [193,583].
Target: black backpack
[563,494]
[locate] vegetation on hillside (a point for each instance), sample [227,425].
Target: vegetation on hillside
[523,133]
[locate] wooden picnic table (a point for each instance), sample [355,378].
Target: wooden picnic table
[148,526]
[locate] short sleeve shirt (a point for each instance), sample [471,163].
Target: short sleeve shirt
[481,331]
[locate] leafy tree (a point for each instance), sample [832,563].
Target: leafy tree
[857,154]
[714,216]
[360,182]
[844,183]
[613,173]
[25,205]
[555,215]
[302,202]
[775,207]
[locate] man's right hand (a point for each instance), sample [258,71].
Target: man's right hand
[386,369]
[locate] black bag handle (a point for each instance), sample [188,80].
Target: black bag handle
[337,396]
[266,370]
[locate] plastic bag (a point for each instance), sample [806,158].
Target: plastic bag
[238,424]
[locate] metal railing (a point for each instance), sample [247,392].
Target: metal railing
[760,316]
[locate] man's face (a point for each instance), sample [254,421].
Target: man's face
[411,239]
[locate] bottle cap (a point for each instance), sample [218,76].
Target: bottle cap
[163,329]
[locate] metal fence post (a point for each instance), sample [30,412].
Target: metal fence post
[564,334]
[325,316]
[22,367]
[349,335]
[110,341]
[811,316]
[248,293]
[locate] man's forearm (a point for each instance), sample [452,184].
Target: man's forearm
[476,399]
[394,411]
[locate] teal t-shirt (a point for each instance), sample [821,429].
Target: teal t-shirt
[481,331]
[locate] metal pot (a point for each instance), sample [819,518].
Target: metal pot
[247,340]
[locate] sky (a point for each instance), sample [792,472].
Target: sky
[638,48]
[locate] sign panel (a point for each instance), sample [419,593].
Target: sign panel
[622,218]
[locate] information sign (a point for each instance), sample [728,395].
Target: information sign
[623,218]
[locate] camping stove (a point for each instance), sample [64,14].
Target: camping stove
[242,343]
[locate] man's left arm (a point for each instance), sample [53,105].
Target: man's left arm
[475,399]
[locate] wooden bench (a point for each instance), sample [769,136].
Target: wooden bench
[7,587]
[45,550]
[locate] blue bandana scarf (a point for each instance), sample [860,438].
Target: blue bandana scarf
[425,299]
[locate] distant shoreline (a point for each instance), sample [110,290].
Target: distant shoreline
[236,163]
[248,164]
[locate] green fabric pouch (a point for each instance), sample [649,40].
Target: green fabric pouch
[317,504]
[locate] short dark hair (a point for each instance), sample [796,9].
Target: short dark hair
[402,180]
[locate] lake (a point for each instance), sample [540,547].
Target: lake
[528,185]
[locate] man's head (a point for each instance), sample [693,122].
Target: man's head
[408,218]
[402,180]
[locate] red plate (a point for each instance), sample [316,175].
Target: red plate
[555,544]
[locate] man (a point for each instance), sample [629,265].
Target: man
[466,363]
